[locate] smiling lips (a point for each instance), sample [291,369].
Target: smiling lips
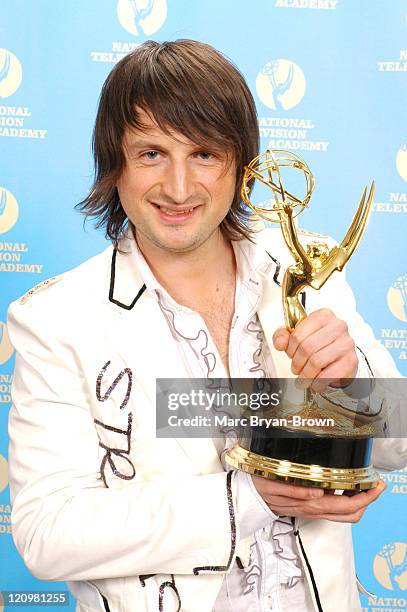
[175,215]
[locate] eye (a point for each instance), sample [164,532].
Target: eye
[205,155]
[151,155]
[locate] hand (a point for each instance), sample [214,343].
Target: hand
[321,350]
[294,500]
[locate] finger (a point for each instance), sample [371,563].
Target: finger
[312,323]
[281,338]
[282,501]
[330,507]
[341,518]
[293,508]
[287,506]
[333,508]
[342,370]
[283,505]
[340,353]
[342,504]
[283,489]
[313,343]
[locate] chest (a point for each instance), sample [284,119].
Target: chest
[216,307]
[218,313]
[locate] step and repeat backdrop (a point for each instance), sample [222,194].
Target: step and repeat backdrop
[330,81]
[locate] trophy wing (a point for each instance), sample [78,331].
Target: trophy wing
[358,225]
[340,255]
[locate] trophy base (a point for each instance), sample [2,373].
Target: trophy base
[349,479]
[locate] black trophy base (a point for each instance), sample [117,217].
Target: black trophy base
[310,460]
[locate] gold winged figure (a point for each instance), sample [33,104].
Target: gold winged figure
[315,264]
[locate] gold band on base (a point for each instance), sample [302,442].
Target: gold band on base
[350,479]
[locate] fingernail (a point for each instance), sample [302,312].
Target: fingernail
[379,488]
[317,493]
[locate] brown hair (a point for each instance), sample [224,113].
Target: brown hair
[184,85]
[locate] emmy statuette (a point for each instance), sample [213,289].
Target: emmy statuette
[330,458]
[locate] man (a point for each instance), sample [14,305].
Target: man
[134,522]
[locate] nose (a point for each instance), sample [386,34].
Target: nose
[178,183]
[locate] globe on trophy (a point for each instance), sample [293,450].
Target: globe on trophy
[328,457]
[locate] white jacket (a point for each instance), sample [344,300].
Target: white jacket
[136,523]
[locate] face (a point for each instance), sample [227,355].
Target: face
[175,192]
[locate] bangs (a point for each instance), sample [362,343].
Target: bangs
[179,96]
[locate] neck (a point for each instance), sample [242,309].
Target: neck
[194,272]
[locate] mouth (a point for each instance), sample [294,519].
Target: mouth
[175,214]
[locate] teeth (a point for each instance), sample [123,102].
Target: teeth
[172,212]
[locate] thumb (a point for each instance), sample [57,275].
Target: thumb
[281,338]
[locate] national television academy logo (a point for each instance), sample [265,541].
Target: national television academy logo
[11,73]
[397,298]
[281,84]
[401,161]
[8,210]
[390,566]
[142,16]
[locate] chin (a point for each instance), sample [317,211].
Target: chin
[181,247]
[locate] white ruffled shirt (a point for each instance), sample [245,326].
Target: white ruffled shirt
[273,580]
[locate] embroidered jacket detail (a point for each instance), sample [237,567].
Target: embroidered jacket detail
[224,568]
[113,452]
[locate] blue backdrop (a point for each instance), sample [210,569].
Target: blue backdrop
[330,82]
